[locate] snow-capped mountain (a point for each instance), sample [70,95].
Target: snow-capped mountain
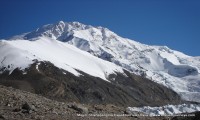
[168,67]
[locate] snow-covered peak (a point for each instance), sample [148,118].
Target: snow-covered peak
[60,30]
[61,23]
[161,64]
[65,31]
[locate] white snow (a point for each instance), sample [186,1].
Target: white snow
[37,67]
[20,53]
[165,110]
[64,73]
[12,57]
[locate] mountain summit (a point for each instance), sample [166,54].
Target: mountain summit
[58,44]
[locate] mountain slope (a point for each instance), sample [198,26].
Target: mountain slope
[171,68]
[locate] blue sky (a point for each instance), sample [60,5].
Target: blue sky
[174,23]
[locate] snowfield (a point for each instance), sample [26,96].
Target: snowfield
[165,110]
[21,53]
[160,64]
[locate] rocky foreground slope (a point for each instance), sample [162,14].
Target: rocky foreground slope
[18,105]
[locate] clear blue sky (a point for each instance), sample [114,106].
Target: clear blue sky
[174,23]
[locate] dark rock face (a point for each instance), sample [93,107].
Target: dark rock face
[123,90]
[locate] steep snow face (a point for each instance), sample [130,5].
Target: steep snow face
[171,68]
[166,110]
[21,53]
